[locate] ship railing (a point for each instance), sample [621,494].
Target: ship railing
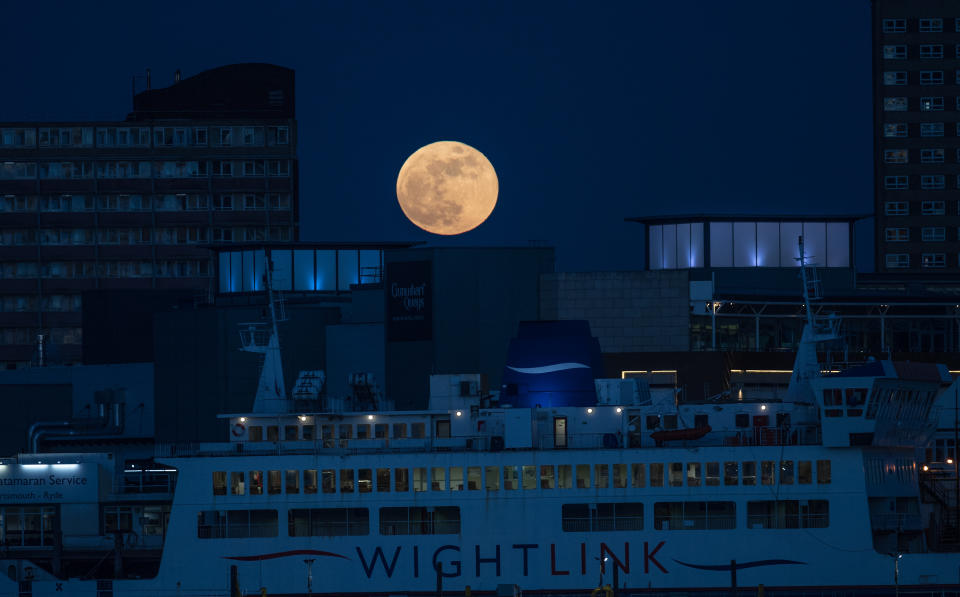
[694,523]
[339,446]
[896,522]
[791,521]
[749,436]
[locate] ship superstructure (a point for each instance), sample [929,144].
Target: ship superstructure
[557,483]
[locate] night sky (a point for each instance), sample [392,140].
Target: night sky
[589,113]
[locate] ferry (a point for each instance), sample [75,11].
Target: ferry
[559,483]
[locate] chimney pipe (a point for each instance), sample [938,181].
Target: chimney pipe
[148,79]
[176,76]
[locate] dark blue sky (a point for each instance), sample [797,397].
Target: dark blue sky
[589,113]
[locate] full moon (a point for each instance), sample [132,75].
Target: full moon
[447,187]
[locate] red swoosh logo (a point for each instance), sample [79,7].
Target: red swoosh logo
[283,554]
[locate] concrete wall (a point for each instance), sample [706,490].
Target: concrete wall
[628,311]
[479,296]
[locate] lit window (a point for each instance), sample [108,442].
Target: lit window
[896,235]
[897,208]
[895,52]
[894,25]
[931,156]
[931,77]
[931,25]
[895,104]
[931,51]
[895,129]
[897,260]
[934,234]
[931,104]
[933,260]
[931,129]
[895,156]
[897,77]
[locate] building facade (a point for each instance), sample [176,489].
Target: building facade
[916,89]
[134,204]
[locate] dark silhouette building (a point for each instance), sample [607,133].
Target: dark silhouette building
[135,204]
[916,89]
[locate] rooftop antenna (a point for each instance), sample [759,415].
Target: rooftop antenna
[176,76]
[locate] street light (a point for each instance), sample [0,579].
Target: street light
[309,562]
[603,565]
[896,572]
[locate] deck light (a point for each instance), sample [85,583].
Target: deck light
[243,419]
[949,460]
[926,468]
[619,410]
[459,413]
[303,418]
[589,411]
[763,407]
[369,417]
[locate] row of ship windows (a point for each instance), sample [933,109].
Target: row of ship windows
[925,104]
[925,51]
[925,25]
[927,77]
[927,208]
[927,260]
[547,476]
[927,156]
[927,129]
[928,234]
[928,182]
[167,235]
[165,268]
[574,518]
[163,136]
[169,202]
[142,169]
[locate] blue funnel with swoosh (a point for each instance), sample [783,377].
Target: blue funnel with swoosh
[551,363]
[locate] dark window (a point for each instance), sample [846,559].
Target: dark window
[625,516]
[701,421]
[679,516]
[236,524]
[743,420]
[788,514]
[669,421]
[653,421]
[328,522]
[441,520]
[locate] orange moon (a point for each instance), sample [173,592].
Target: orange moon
[447,188]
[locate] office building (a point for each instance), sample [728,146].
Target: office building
[134,204]
[916,88]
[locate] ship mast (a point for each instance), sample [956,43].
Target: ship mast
[807,366]
[271,394]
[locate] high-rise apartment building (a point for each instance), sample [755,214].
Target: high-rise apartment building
[132,204]
[916,87]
